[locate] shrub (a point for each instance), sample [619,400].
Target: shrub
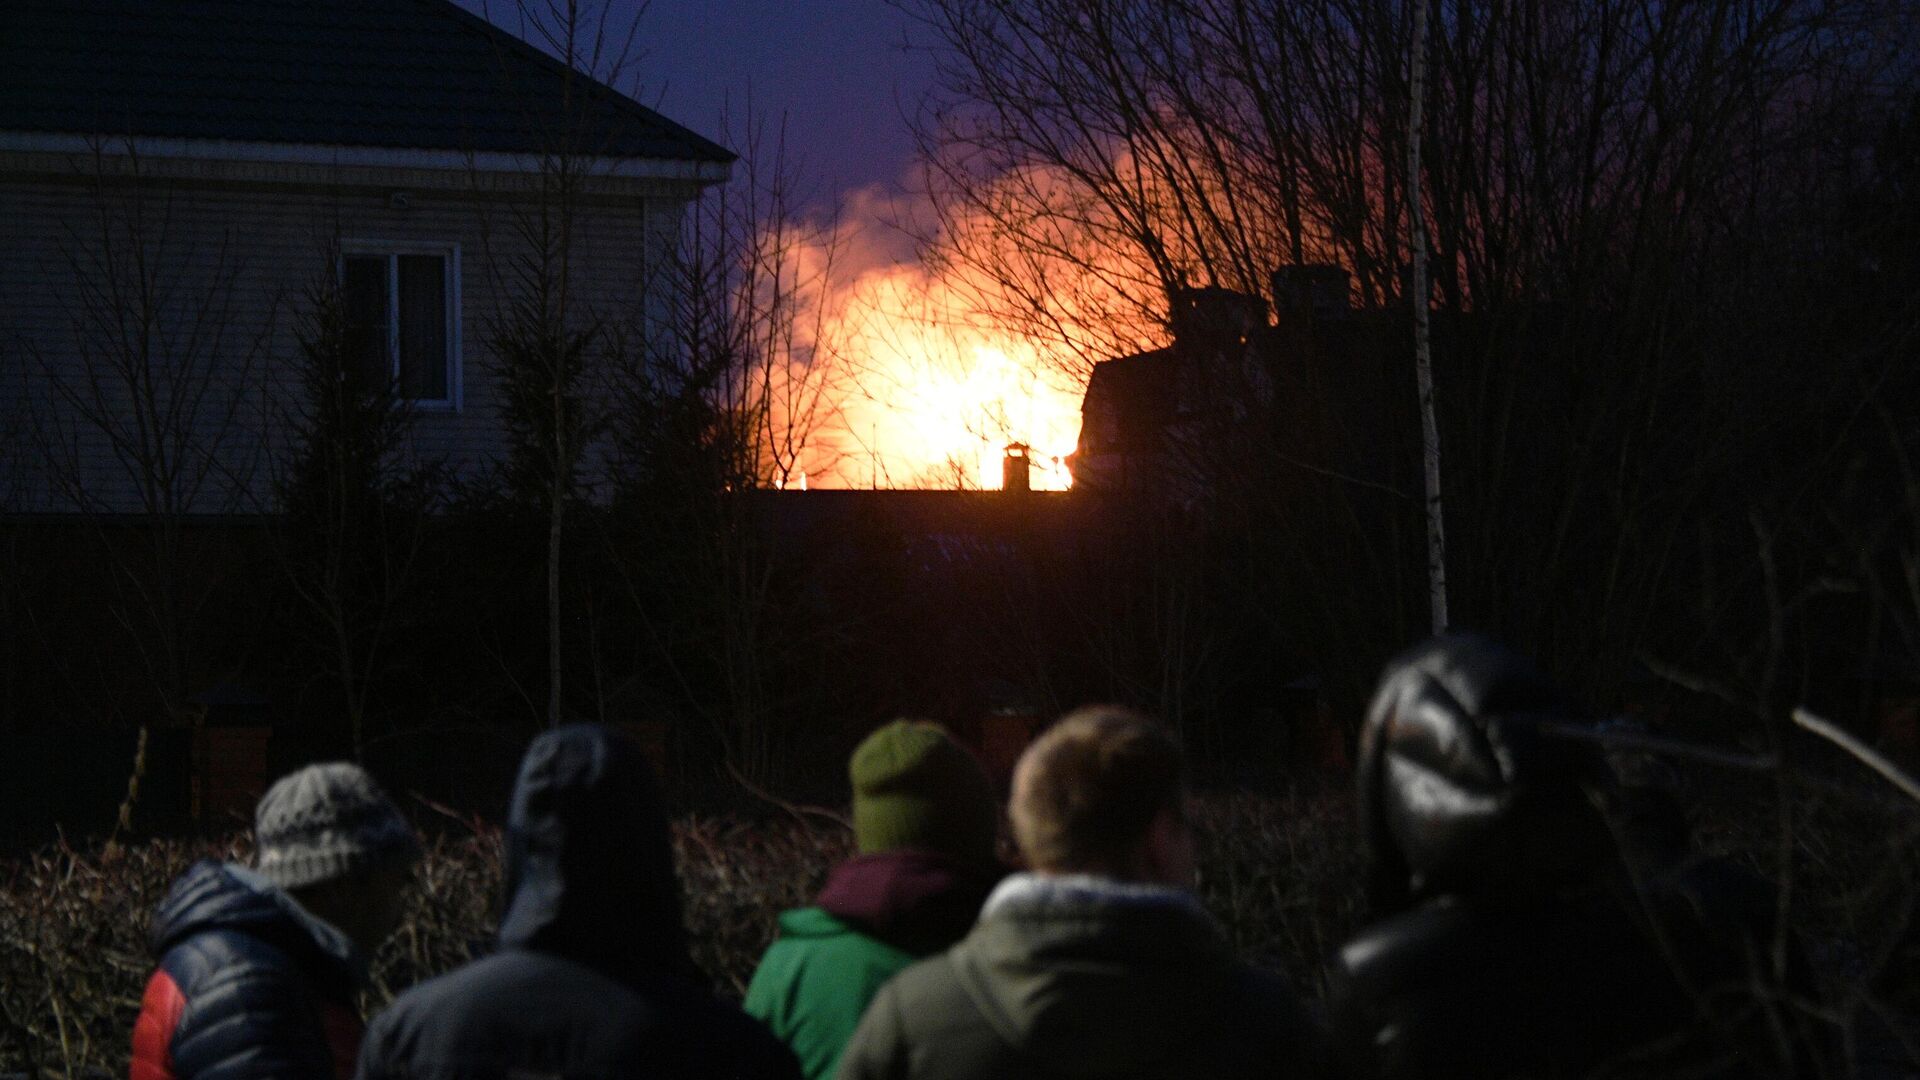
[73,923]
[1283,873]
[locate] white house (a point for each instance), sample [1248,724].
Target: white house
[177,178]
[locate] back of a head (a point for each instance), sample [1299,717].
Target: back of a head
[590,873]
[327,822]
[1087,791]
[916,788]
[1463,786]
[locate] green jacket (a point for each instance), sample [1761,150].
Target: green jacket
[1080,977]
[876,914]
[814,983]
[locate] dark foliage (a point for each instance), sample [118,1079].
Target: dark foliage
[353,511]
[73,922]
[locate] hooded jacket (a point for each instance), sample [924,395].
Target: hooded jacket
[249,985]
[876,916]
[1084,977]
[592,978]
[1513,938]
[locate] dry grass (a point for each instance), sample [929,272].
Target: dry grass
[1282,872]
[73,923]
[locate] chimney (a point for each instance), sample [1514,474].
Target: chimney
[1015,468]
[1215,318]
[1310,291]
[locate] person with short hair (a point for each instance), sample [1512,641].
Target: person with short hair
[592,977]
[1098,961]
[925,819]
[258,967]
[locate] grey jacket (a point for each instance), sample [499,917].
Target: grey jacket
[1082,977]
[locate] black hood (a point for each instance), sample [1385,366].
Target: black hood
[214,896]
[1467,781]
[589,861]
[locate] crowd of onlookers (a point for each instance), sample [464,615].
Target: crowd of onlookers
[1537,911]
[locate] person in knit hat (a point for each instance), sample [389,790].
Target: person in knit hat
[925,819]
[258,966]
[1098,960]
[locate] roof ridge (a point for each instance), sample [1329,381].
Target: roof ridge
[500,35]
[424,74]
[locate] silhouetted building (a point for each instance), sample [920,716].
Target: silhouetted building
[1176,419]
[1148,420]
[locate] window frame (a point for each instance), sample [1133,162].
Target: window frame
[392,250]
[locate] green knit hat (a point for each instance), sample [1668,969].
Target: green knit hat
[914,787]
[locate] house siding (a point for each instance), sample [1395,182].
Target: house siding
[239,250]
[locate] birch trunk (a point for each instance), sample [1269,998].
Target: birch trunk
[1422,343]
[556,507]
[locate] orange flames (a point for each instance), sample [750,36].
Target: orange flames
[926,391]
[933,402]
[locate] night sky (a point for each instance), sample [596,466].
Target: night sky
[835,68]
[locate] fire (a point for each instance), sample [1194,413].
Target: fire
[932,407]
[924,390]
[929,397]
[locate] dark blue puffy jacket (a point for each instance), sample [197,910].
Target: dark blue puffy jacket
[249,985]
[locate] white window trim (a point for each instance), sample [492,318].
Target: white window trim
[456,367]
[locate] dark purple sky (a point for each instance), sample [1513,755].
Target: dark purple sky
[834,68]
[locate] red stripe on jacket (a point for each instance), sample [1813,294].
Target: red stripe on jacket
[160,1009]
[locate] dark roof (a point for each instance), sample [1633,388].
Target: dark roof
[374,73]
[1129,402]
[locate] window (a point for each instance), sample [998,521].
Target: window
[402,315]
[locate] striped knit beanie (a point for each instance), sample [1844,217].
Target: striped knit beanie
[324,822]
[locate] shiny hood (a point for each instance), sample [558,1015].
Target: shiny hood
[1469,780]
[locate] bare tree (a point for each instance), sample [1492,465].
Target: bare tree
[724,391]
[149,408]
[1418,297]
[548,333]
[1601,186]
[15,458]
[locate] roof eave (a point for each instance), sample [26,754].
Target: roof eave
[165,147]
